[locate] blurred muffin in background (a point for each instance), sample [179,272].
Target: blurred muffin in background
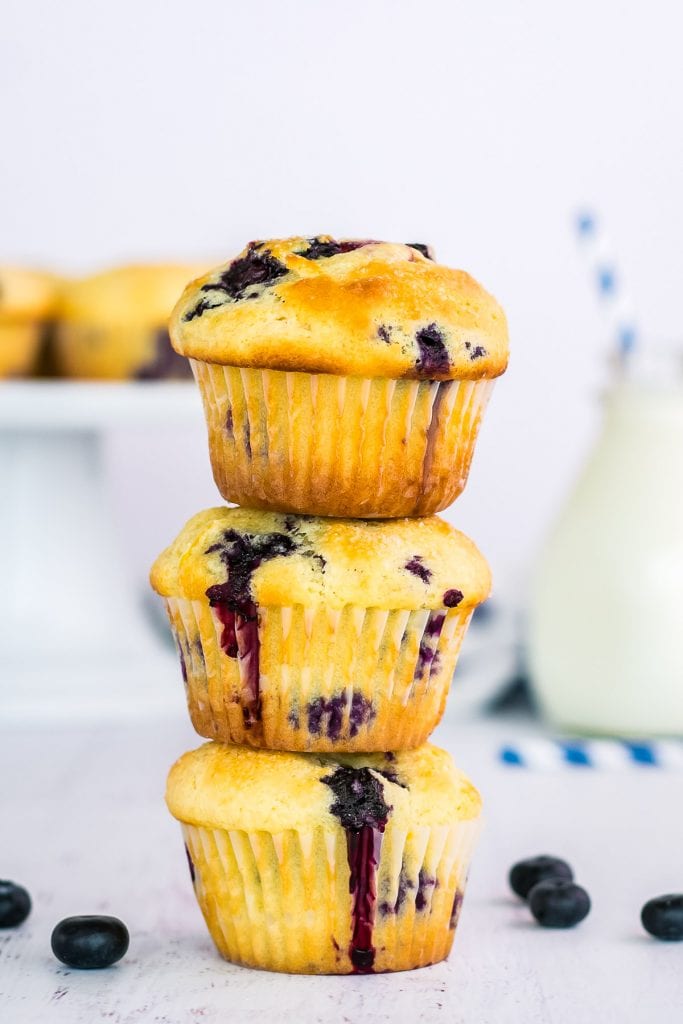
[114,325]
[27,305]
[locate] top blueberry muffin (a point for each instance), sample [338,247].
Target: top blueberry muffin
[359,308]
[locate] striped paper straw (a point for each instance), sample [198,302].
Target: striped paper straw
[542,754]
[604,274]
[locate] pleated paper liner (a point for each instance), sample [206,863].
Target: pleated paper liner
[356,678]
[282,902]
[329,445]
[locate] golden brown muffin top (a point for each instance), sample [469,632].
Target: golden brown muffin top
[279,559]
[229,787]
[27,294]
[359,308]
[137,295]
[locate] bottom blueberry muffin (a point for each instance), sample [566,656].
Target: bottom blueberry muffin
[321,864]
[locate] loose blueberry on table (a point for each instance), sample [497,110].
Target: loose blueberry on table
[90,942]
[559,903]
[662,917]
[15,904]
[525,874]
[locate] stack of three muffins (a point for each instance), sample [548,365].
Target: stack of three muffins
[324,834]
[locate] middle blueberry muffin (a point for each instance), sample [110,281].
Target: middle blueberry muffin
[317,634]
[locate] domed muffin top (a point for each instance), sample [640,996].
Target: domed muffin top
[139,295]
[358,308]
[229,787]
[26,294]
[234,554]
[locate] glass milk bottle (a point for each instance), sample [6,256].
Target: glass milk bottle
[606,623]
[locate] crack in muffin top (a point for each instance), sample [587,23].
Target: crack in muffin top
[346,307]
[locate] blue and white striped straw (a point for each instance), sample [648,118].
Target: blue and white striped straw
[603,270]
[541,754]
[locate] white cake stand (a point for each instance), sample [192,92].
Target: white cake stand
[73,636]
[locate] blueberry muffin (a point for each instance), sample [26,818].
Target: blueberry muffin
[316,634]
[27,305]
[114,325]
[341,378]
[326,864]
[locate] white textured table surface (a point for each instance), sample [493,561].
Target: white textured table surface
[85,829]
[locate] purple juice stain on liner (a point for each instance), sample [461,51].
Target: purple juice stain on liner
[326,714]
[183,663]
[432,432]
[455,911]
[433,357]
[359,804]
[417,567]
[229,425]
[428,654]
[246,436]
[235,608]
[190,863]
[425,885]
[452,598]
[405,885]
[165,364]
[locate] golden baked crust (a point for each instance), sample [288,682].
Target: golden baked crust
[140,295]
[225,787]
[386,563]
[26,295]
[374,309]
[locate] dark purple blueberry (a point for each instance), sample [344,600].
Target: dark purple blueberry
[257,268]
[359,797]
[418,568]
[525,874]
[90,942]
[384,333]
[392,776]
[15,904]
[426,250]
[165,364]
[319,249]
[452,598]
[477,352]
[433,357]
[559,903]
[242,553]
[199,309]
[663,917]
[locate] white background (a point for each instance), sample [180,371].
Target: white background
[176,130]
